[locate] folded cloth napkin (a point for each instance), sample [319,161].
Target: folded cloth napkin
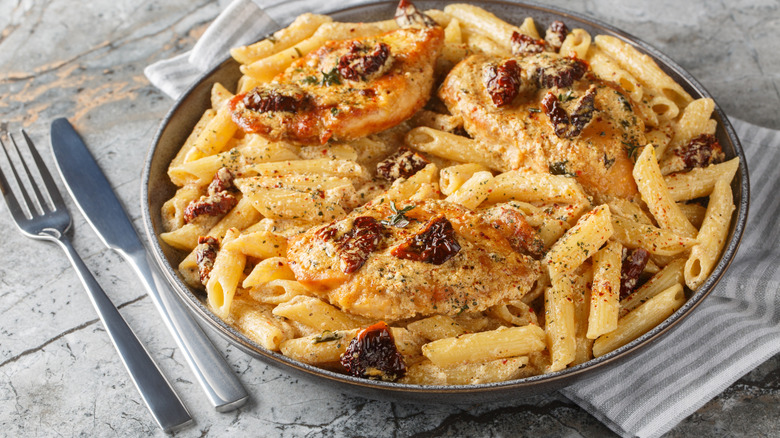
[734,330]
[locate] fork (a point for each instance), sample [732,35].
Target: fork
[50,222]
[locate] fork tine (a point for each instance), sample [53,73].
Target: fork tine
[48,181]
[13,206]
[16,208]
[38,195]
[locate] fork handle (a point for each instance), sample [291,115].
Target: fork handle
[216,377]
[160,398]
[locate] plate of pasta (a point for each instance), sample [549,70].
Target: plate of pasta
[442,201]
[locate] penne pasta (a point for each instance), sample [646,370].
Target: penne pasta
[712,235]
[483,346]
[656,195]
[640,320]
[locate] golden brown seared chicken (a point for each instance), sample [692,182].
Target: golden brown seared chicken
[345,89]
[546,112]
[419,258]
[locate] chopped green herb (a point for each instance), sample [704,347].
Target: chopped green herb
[560,168]
[331,78]
[632,150]
[398,219]
[565,97]
[608,162]
[327,336]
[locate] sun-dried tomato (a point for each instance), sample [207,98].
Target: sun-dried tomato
[435,244]
[523,44]
[702,151]
[372,354]
[503,82]
[360,62]
[222,181]
[358,243]
[402,164]
[205,254]
[634,262]
[562,73]
[566,126]
[557,115]
[215,204]
[407,15]
[583,110]
[264,101]
[555,34]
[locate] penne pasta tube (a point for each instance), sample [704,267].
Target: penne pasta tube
[640,320]
[328,346]
[265,69]
[560,323]
[225,276]
[667,277]
[317,314]
[655,240]
[436,327]
[278,291]
[643,68]
[483,346]
[579,243]
[259,324]
[576,44]
[605,293]
[656,195]
[500,370]
[475,190]
[260,244]
[270,269]
[712,235]
[608,69]
[303,27]
[189,144]
[450,146]
[219,95]
[320,166]
[214,136]
[452,178]
[538,187]
[699,182]
[484,21]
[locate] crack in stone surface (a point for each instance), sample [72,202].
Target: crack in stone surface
[63,334]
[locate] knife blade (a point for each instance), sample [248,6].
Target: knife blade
[92,192]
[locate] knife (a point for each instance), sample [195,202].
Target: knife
[92,192]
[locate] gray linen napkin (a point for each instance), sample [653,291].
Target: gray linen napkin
[734,330]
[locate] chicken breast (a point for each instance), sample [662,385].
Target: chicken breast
[547,113]
[346,89]
[418,258]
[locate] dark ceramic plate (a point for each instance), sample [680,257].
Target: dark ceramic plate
[179,122]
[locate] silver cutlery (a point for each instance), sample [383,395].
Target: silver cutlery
[92,192]
[42,219]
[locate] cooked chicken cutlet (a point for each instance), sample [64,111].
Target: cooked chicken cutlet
[418,258]
[345,89]
[547,113]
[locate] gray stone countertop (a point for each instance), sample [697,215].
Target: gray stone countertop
[60,375]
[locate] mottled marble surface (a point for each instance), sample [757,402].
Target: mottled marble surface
[59,374]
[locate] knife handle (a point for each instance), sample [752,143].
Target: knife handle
[216,377]
[166,407]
